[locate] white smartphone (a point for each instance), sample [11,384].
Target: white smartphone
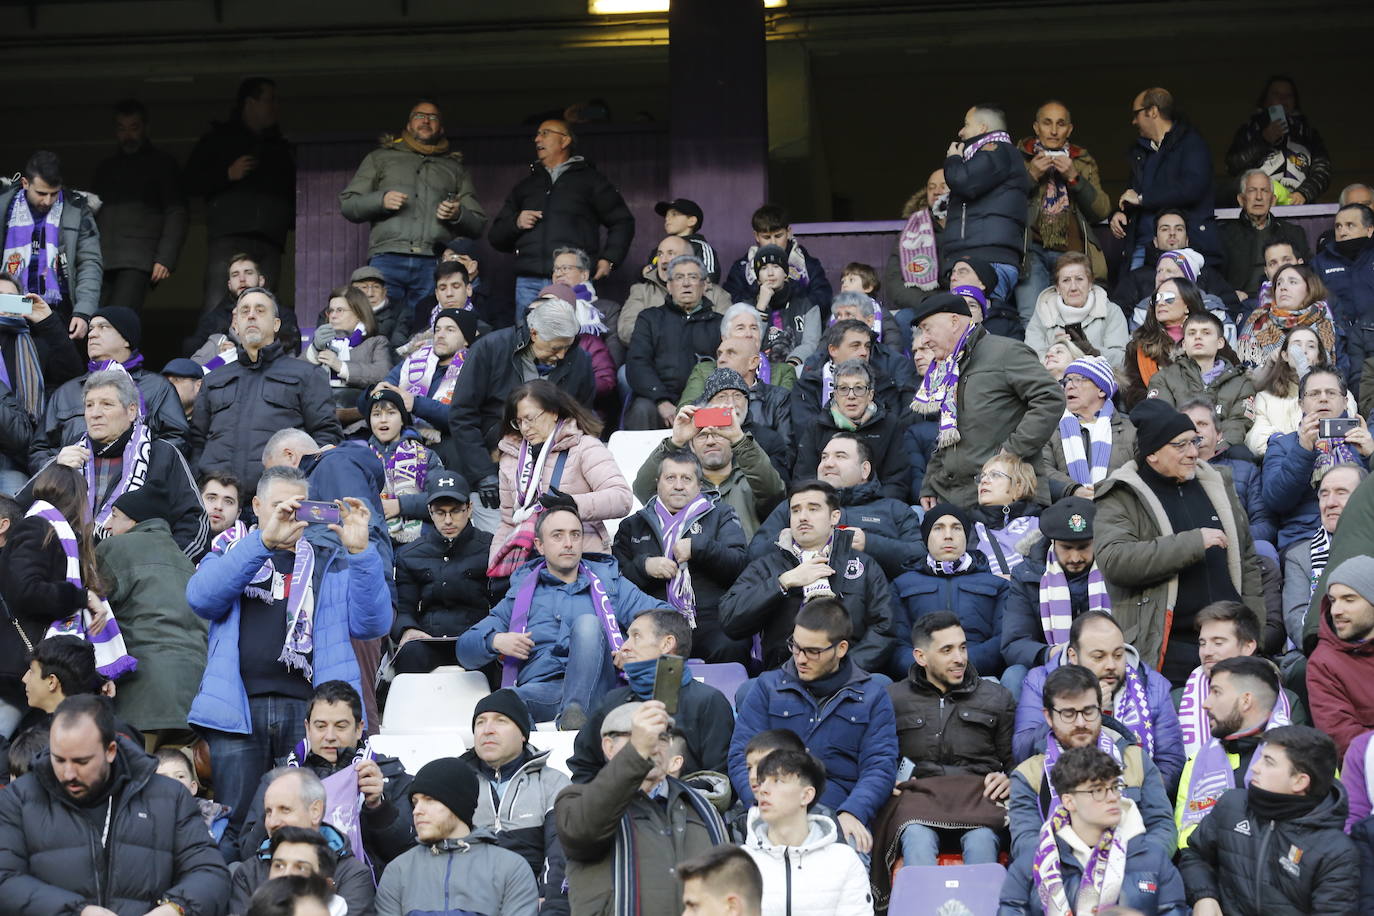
[1276,113]
[14,304]
[1056,152]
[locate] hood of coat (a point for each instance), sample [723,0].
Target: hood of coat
[823,833]
[713,786]
[1326,633]
[1132,660]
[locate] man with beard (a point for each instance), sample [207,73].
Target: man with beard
[143,213]
[417,195]
[223,500]
[426,378]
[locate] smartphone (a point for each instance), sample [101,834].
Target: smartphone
[1056,152]
[318,512]
[1336,427]
[15,304]
[713,416]
[1276,113]
[668,681]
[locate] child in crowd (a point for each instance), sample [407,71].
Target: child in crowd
[772,226]
[683,217]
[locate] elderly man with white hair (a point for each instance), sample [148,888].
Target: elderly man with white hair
[1244,238]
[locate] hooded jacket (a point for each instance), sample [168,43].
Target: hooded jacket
[441,584]
[1232,390]
[987,205]
[51,855]
[1288,491]
[352,879]
[522,817]
[967,730]
[1258,867]
[80,245]
[471,875]
[821,877]
[1340,681]
[1104,325]
[976,596]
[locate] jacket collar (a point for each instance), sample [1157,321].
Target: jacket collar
[919,682]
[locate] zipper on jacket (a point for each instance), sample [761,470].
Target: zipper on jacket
[963,220]
[448,874]
[787,867]
[1259,864]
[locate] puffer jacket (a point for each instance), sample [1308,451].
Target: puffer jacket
[815,284]
[521,818]
[987,205]
[1232,389]
[1349,280]
[590,476]
[428,180]
[882,433]
[81,247]
[1090,203]
[241,404]
[51,859]
[977,596]
[351,602]
[1105,326]
[665,347]
[1006,400]
[64,421]
[471,875]
[1339,689]
[894,383]
[892,532]
[967,730]
[263,202]
[821,877]
[1288,489]
[1258,867]
[651,292]
[1053,469]
[441,584]
[1177,174]
[575,207]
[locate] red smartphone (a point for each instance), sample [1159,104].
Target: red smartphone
[713,416]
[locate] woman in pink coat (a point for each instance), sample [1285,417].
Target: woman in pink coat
[553,443]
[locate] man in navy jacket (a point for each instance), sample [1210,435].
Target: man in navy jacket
[988,186]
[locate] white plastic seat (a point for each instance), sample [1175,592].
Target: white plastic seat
[417,749]
[559,743]
[439,702]
[631,448]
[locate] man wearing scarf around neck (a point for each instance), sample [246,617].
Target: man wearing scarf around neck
[1276,847]
[988,186]
[989,393]
[1092,852]
[1072,708]
[1093,438]
[418,195]
[112,343]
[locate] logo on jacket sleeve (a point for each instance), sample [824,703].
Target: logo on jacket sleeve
[855,569]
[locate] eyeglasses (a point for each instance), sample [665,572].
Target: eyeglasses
[1195,442]
[853,391]
[1102,793]
[810,652]
[424,116]
[1166,298]
[1070,716]
[520,423]
[1135,112]
[990,476]
[1076,381]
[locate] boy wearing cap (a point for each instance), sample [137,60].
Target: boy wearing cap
[684,218]
[455,868]
[1093,438]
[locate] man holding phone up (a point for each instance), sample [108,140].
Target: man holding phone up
[283,603]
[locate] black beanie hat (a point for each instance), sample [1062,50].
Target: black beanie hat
[126,322]
[939,511]
[1157,422]
[452,783]
[148,501]
[508,703]
[770,254]
[987,274]
[390,397]
[466,319]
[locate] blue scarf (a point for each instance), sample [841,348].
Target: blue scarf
[640,676]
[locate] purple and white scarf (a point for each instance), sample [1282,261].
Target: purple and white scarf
[1331,452]
[1212,772]
[529,475]
[796,264]
[1131,708]
[821,587]
[405,466]
[1102,875]
[987,139]
[32,248]
[225,538]
[1192,716]
[230,355]
[589,317]
[1087,466]
[112,658]
[671,528]
[1105,744]
[1056,604]
[418,372]
[343,805]
[298,589]
[524,599]
[939,390]
[949,567]
[765,369]
[919,258]
[999,544]
[133,474]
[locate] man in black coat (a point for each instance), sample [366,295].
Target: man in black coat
[668,342]
[93,789]
[812,558]
[851,408]
[564,200]
[686,547]
[496,365]
[704,717]
[893,380]
[1244,238]
[243,403]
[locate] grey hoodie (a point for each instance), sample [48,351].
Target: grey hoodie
[469,875]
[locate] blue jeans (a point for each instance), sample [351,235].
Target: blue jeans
[1039,269]
[921,845]
[1007,275]
[238,762]
[526,291]
[589,674]
[11,482]
[1013,678]
[409,278]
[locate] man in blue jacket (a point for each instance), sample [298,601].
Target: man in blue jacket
[283,600]
[559,624]
[842,712]
[988,186]
[1132,693]
[1346,264]
[1170,167]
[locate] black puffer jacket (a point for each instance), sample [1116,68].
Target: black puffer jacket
[241,404]
[967,730]
[51,859]
[492,370]
[441,584]
[666,345]
[987,205]
[64,422]
[1258,867]
[883,434]
[575,208]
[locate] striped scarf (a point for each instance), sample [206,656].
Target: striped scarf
[133,474]
[1212,774]
[1087,466]
[298,648]
[1056,604]
[625,858]
[25,378]
[32,253]
[417,374]
[939,390]
[821,587]
[987,139]
[1102,875]
[112,659]
[1132,709]
[1331,452]
[1321,552]
[1192,714]
[671,527]
[1056,210]
[949,567]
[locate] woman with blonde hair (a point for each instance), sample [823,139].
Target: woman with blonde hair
[1007,512]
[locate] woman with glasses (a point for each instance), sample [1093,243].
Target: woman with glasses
[1077,309]
[1277,408]
[349,346]
[1007,513]
[1299,301]
[852,408]
[551,443]
[1158,340]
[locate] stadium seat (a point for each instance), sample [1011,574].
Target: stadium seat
[440,702]
[631,448]
[724,676]
[559,743]
[416,750]
[925,889]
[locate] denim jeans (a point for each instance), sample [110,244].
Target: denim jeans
[1012,679]
[1039,269]
[11,482]
[409,278]
[526,291]
[589,674]
[921,845]
[1007,275]
[238,762]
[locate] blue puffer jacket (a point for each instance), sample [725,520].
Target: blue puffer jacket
[1349,282]
[556,605]
[987,205]
[854,733]
[351,602]
[1288,490]
[977,597]
[1177,175]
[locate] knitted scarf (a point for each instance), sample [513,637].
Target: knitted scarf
[821,587]
[1263,331]
[999,544]
[414,145]
[1102,875]
[1197,729]
[1212,773]
[1056,604]
[987,139]
[796,264]
[112,659]
[918,256]
[1331,452]
[25,379]
[226,538]
[1087,466]
[133,474]
[590,320]
[405,464]
[939,390]
[298,649]
[1321,552]
[417,374]
[1132,709]
[1056,210]
[32,248]
[524,600]
[625,859]
[949,567]
[670,527]
[1105,744]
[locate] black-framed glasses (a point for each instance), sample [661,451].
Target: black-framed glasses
[811,652]
[1070,716]
[853,391]
[1102,793]
[1135,112]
